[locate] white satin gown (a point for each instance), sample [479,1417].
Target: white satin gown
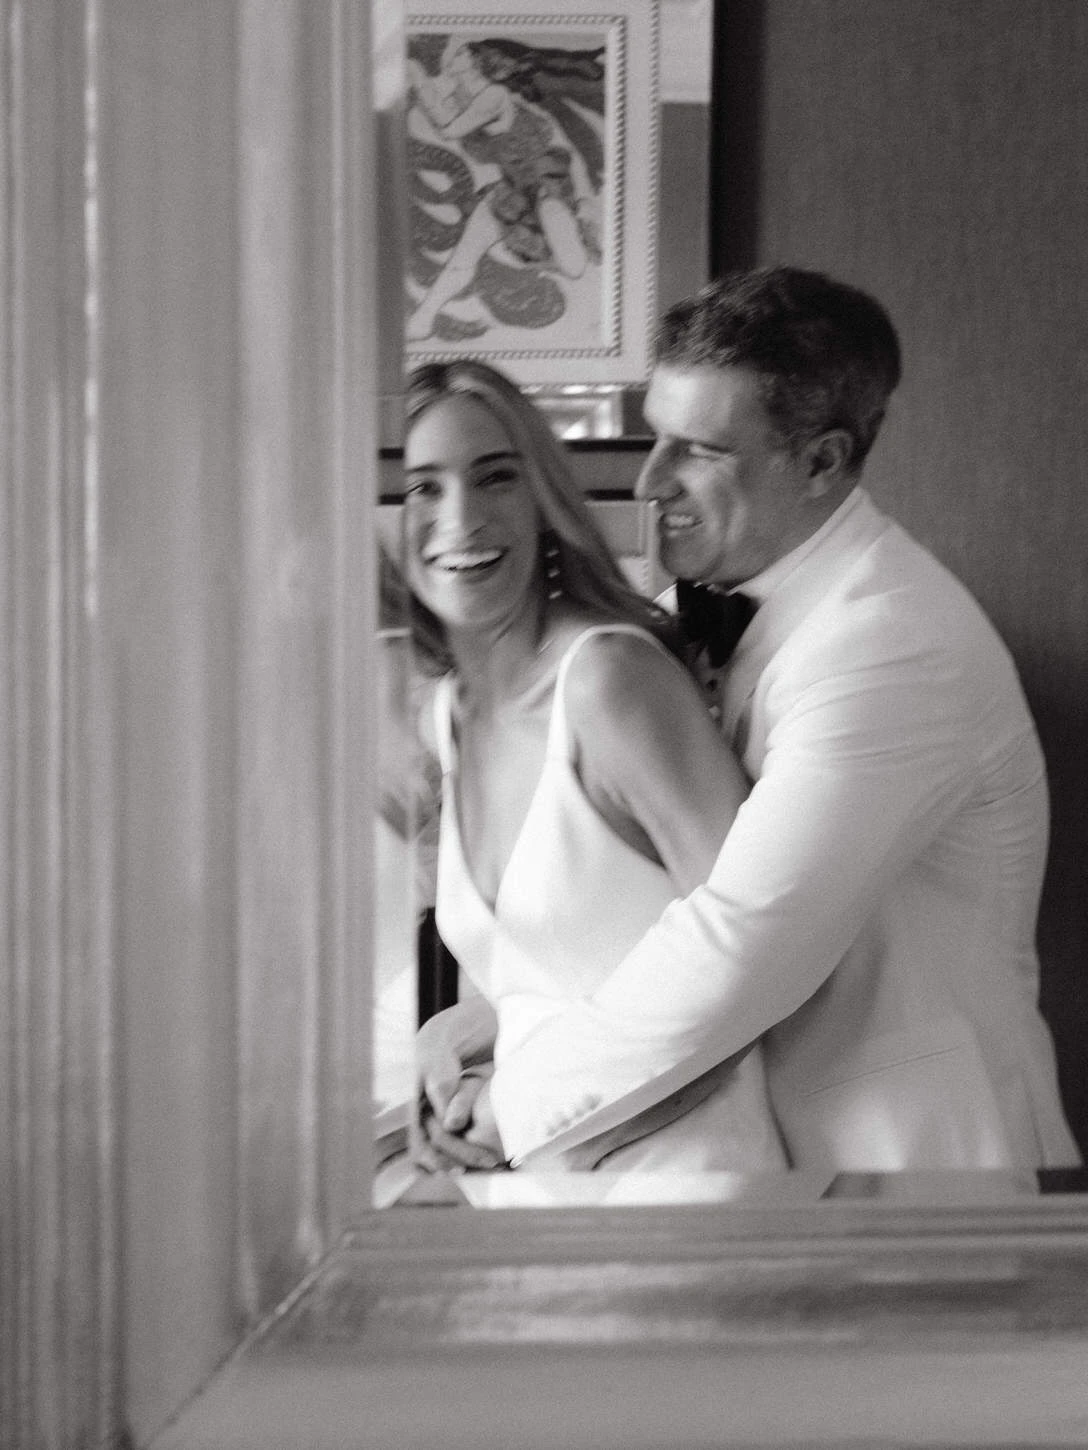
[573,900]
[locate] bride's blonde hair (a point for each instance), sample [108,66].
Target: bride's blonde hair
[588,573]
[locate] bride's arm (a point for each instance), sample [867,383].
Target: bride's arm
[650,757]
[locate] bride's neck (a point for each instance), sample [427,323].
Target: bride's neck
[502,668]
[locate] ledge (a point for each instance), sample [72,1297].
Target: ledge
[645,1329]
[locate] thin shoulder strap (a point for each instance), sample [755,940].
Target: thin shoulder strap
[443,723]
[558,738]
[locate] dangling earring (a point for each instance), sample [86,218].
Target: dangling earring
[552,566]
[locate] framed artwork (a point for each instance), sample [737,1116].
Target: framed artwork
[532,177]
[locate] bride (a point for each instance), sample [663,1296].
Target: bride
[584,783]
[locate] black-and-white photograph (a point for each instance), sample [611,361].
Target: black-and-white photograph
[544,646]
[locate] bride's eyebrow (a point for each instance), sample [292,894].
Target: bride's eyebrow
[484,458]
[503,454]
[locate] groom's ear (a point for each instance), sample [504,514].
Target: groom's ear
[827,458]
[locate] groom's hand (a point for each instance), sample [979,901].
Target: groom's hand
[454,1039]
[483,1131]
[453,1057]
[464,1135]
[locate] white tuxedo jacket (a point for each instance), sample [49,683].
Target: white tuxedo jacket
[872,912]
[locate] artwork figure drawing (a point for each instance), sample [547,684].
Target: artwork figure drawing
[506,160]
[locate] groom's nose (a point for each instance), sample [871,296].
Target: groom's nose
[655,480]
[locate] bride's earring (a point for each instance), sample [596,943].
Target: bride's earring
[552,572]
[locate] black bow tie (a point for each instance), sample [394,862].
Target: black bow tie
[712,621]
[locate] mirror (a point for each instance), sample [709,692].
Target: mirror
[586,414]
[189,374]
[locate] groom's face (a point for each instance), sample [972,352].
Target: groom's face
[731,498]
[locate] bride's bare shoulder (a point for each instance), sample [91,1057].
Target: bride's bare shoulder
[624,673]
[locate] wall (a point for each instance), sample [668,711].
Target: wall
[682,213]
[934,153]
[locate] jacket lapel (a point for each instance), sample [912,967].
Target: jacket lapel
[784,610]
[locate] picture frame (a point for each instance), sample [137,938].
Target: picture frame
[532,158]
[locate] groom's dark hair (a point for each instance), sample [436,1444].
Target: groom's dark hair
[827,354]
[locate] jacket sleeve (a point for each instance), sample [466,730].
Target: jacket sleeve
[862,768]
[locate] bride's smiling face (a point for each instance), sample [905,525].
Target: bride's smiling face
[472,526]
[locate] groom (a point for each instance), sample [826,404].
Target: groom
[871,915]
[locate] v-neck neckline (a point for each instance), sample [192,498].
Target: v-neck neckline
[551,751]
[491,907]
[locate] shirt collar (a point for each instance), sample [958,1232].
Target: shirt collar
[761,586]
